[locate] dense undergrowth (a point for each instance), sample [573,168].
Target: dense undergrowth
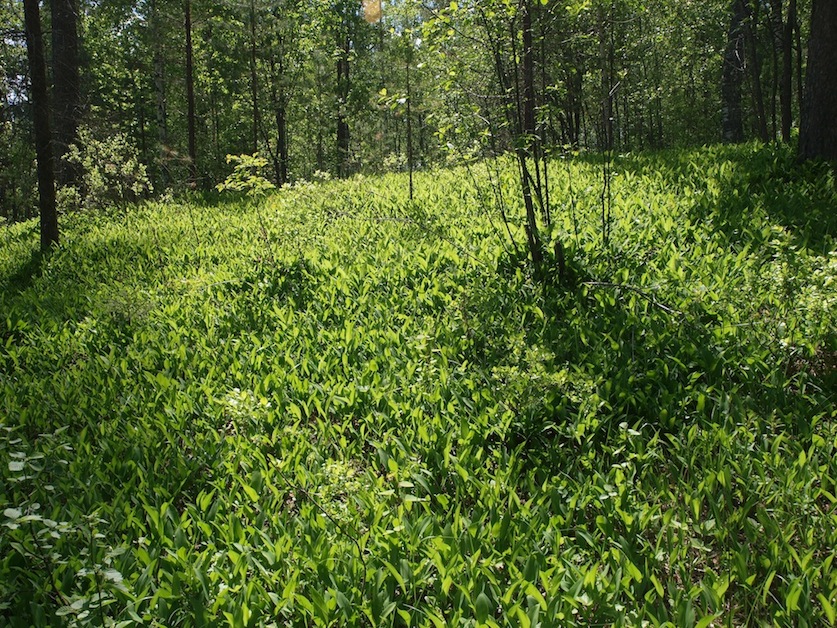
[339,408]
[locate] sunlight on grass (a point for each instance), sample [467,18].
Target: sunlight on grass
[341,408]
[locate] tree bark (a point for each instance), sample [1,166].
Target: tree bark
[66,85]
[190,98]
[254,79]
[343,87]
[818,129]
[40,115]
[528,62]
[783,31]
[754,61]
[606,141]
[282,142]
[733,76]
[786,92]
[572,110]
[410,118]
[160,88]
[279,99]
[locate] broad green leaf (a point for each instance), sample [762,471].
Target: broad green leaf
[827,608]
[482,607]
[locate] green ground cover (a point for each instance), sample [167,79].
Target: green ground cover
[335,407]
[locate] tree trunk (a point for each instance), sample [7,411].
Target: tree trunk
[786,92]
[67,90]
[606,140]
[528,73]
[282,141]
[343,86]
[409,119]
[818,129]
[783,29]
[190,99]
[254,82]
[775,23]
[160,87]
[213,104]
[279,100]
[754,61]
[40,115]
[733,76]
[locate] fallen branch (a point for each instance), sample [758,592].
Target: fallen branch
[648,296]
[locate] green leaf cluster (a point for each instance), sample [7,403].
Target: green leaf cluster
[391,422]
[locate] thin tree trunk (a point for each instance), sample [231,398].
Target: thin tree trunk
[775,22]
[190,99]
[606,141]
[528,149]
[282,141]
[786,94]
[43,134]
[213,102]
[160,88]
[800,83]
[343,87]
[528,72]
[409,119]
[532,234]
[67,90]
[320,151]
[733,75]
[277,73]
[818,129]
[254,82]
[754,62]
[575,97]
[136,83]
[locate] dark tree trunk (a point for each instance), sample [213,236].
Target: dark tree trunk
[67,91]
[782,28]
[160,88]
[213,104]
[775,24]
[410,120]
[733,76]
[528,72]
[139,108]
[343,86]
[786,92]
[254,82]
[606,140]
[40,115]
[282,142]
[190,98]
[279,99]
[800,83]
[575,98]
[754,62]
[818,129]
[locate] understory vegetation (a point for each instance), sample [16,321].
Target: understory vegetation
[333,406]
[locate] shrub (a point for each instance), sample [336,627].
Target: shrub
[247,176]
[111,173]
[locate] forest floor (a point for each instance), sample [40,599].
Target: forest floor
[335,406]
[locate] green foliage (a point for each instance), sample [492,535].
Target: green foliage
[17,174]
[111,173]
[247,176]
[394,424]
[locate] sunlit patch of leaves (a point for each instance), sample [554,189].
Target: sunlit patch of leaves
[327,406]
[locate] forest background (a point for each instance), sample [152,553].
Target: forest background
[164,91]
